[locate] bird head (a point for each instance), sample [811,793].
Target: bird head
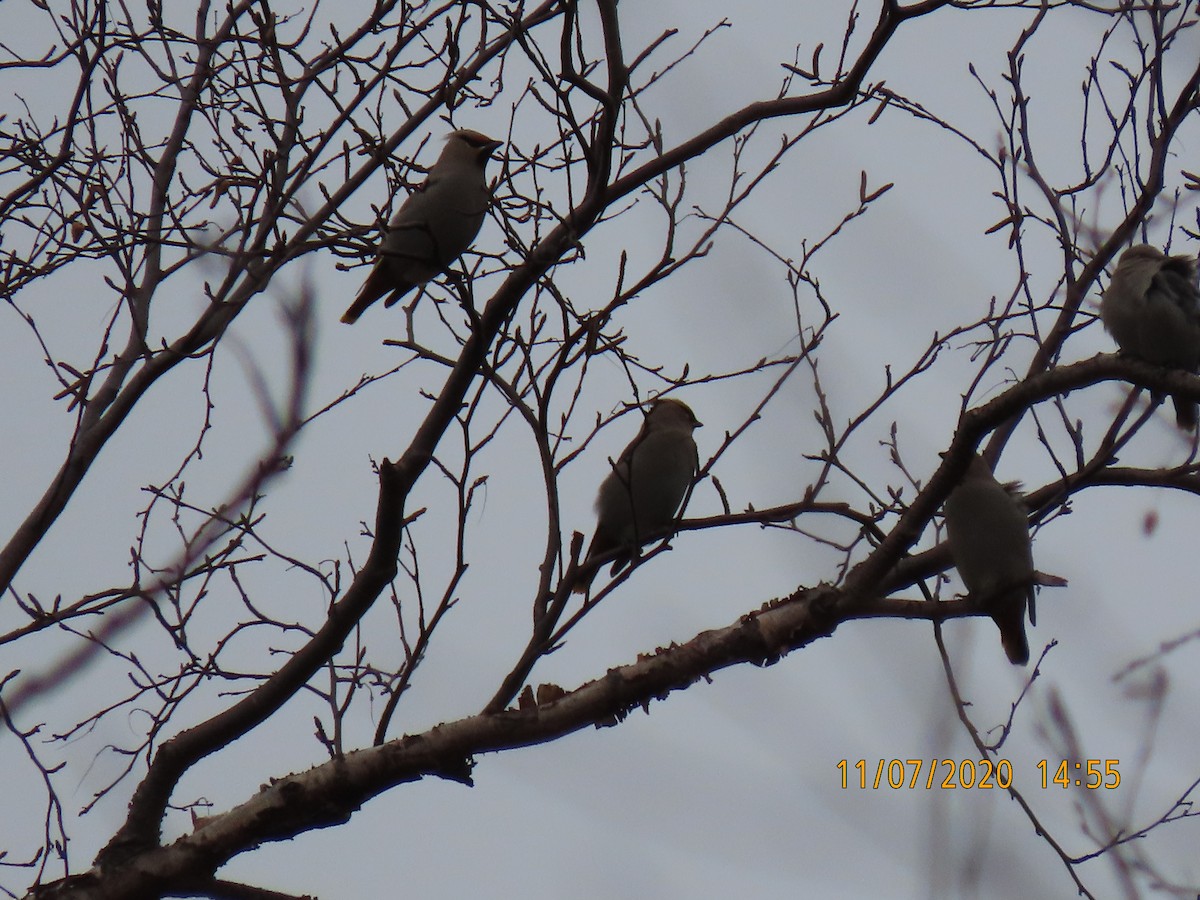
[669,413]
[1140,253]
[466,144]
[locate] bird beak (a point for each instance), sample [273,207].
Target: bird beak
[492,146]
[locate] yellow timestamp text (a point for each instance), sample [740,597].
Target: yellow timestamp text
[982,774]
[1092,774]
[977,774]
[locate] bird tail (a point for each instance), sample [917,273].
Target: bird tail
[1012,637]
[600,548]
[1187,412]
[358,307]
[378,283]
[583,578]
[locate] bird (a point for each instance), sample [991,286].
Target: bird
[988,530]
[435,224]
[1152,310]
[642,494]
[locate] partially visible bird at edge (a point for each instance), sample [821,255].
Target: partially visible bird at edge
[1152,310]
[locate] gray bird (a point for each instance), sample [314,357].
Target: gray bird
[642,493]
[433,227]
[1152,310]
[989,540]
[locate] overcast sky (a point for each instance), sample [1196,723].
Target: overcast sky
[730,788]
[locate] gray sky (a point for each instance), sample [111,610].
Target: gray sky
[728,788]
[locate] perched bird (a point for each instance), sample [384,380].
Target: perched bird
[1152,310]
[642,493]
[433,227]
[989,540]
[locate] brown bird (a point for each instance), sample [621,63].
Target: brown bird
[433,227]
[1152,310]
[988,530]
[642,493]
